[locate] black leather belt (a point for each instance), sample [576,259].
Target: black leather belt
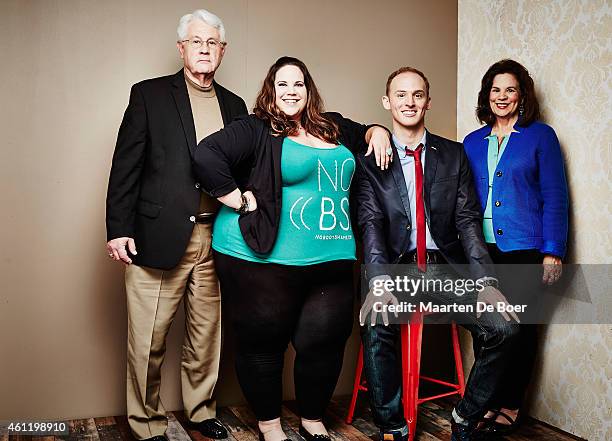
[205,218]
[433,256]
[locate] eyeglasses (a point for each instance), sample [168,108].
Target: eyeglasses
[197,43]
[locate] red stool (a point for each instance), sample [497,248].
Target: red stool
[412,336]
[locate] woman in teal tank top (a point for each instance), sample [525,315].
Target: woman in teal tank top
[283,242]
[315,224]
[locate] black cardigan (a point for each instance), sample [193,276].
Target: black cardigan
[247,156]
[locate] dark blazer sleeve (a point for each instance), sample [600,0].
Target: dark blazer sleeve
[217,156]
[128,159]
[370,221]
[370,217]
[469,222]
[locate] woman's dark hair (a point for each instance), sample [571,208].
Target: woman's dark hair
[312,119]
[529,102]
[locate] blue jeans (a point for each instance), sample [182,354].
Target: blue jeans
[496,339]
[383,374]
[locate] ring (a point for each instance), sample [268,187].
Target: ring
[389,151]
[110,254]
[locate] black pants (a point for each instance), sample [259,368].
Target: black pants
[519,284]
[270,305]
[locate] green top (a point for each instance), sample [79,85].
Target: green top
[315,223]
[494,154]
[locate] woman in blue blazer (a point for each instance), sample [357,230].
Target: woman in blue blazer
[519,176]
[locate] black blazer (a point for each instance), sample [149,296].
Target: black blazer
[152,191]
[452,210]
[246,155]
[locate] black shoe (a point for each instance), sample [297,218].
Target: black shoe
[310,437]
[211,428]
[462,432]
[494,429]
[394,435]
[156,438]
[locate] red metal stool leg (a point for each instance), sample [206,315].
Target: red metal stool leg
[416,337]
[458,359]
[407,395]
[411,342]
[356,386]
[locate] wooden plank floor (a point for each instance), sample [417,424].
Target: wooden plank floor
[432,424]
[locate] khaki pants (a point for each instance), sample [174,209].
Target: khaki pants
[153,297]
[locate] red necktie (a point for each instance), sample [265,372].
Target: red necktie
[420,207]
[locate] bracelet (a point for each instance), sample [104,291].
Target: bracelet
[244,205]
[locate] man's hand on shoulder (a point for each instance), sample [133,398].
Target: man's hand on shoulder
[117,249]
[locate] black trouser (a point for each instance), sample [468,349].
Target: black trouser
[270,305]
[520,285]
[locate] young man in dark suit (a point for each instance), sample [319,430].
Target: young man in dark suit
[424,210]
[159,225]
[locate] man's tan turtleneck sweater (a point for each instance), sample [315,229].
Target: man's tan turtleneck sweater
[207,120]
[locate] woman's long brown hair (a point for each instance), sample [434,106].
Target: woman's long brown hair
[312,118]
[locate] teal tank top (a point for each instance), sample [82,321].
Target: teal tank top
[315,224]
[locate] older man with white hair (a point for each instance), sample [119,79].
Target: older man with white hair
[159,225]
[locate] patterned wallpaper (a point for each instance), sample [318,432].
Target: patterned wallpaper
[567,47]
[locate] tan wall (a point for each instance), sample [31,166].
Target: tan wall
[67,70]
[567,48]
